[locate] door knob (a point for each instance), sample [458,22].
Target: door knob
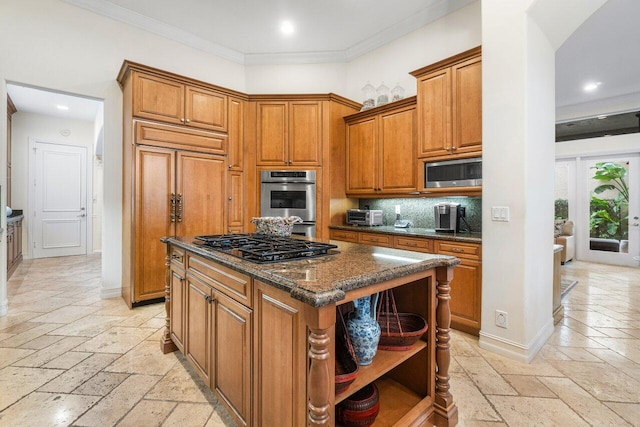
[82,215]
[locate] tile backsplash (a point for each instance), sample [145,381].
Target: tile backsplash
[420,210]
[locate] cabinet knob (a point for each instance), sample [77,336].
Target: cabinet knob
[188,121]
[229,197]
[229,166]
[454,148]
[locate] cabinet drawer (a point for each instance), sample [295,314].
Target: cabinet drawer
[461,250]
[376,239]
[160,135]
[226,280]
[177,257]
[413,244]
[345,236]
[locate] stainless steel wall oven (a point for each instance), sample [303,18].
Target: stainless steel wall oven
[288,193]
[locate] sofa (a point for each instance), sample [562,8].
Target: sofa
[564,235]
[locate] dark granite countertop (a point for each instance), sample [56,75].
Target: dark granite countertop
[324,280]
[15,216]
[413,232]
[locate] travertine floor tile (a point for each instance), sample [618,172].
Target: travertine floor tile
[16,383]
[80,373]
[88,326]
[529,386]
[148,413]
[101,384]
[117,403]
[145,358]
[567,337]
[189,415]
[527,411]
[181,386]
[475,406]
[484,376]
[67,360]
[28,335]
[46,355]
[116,340]
[65,314]
[41,342]
[629,411]
[585,405]
[602,381]
[11,355]
[46,409]
[628,347]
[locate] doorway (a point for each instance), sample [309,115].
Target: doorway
[59,223]
[609,209]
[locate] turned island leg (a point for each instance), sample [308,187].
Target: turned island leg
[166,344]
[319,381]
[444,405]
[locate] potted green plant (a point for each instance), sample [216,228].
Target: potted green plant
[609,217]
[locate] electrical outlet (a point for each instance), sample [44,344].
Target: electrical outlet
[502,319]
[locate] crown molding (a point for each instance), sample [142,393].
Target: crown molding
[151,25]
[412,23]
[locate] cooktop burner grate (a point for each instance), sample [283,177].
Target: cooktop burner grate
[263,248]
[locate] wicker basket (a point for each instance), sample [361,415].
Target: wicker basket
[359,409]
[276,225]
[399,331]
[346,363]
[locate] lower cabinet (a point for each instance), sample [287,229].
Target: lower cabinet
[14,246]
[213,331]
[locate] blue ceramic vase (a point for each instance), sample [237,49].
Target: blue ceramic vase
[363,329]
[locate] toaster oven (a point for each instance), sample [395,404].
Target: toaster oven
[364,217]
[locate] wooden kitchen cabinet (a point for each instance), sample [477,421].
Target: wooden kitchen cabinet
[175,193]
[289,133]
[237,110]
[198,327]
[170,101]
[466,286]
[450,107]
[381,150]
[235,202]
[177,298]
[14,245]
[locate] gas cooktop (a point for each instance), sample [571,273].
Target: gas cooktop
[262,248]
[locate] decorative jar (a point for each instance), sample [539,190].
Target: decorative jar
[369,93]
[363,329]
[383,94]
[397,93]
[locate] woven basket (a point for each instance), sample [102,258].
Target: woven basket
[359,409]
[346,363]
[399,331]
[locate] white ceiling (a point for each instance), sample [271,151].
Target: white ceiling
[603,49]
[38,101]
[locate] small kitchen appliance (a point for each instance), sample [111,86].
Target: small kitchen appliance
[447,217]
[364,217]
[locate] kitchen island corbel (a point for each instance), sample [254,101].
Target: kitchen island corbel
[262,336]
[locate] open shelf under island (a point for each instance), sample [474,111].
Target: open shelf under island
[262,336]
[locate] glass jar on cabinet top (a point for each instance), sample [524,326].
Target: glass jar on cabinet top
[382,94]
[397,93]
[369,94]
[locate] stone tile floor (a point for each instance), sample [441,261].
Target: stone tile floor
[68,357]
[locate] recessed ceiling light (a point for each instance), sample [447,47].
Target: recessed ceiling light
[590,87]
[602,117]
[62,107]
[287,27]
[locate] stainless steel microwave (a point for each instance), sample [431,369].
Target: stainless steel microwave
[453,173]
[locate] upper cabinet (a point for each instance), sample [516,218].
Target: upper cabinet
[381,146]
[289,133]
[171,101]
[449,107]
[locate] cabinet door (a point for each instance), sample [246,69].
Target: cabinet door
[18,239]
[176,320]
[231,351]
[200,185]
[157,98]
[305,133]
[272,133]
[362,156]
[397,147]
[154,183]
[235,201]
[466,294]
[10,247]
[434,114]
[205,109]
[467,106]
[198,327]
[236,134]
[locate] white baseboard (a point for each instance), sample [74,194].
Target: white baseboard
[110,293]
[514,350]
[4,307]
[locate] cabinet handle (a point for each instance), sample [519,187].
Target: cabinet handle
[182,120]
[180,207]
[187,120]
[457,250]
[454,148]
[209,298]
[172,198]
[411,244]
[229,197]
[176,257]
[229,166]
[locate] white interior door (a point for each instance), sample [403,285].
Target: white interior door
[60,200]
[611,215]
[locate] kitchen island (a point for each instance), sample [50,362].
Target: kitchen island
[262,336]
